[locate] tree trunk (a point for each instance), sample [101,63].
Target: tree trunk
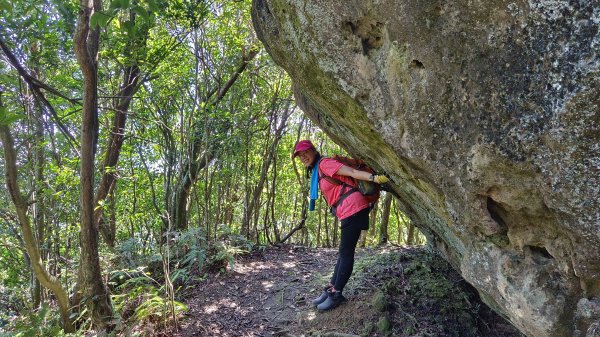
[400,222]
[86,50]
[45,278]
[326,224]
[108,181]
[268,158]
[372,225]
[385,219]
[265,226]
[410,237]
[201,155]
[301,224]
[178,204]
[39,207]
[319,225]
[273,200]
[335,231]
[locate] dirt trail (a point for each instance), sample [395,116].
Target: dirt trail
[262,293]
[268,293]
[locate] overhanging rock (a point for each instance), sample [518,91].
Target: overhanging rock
[486,115]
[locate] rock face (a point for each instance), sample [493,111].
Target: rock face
[486,115]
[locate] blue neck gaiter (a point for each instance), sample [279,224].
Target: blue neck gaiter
[314,186]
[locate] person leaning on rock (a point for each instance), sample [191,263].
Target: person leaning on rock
[352,211]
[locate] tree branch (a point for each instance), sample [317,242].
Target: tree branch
[32,81]
[35,86]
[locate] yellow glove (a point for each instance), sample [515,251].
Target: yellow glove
[380,179]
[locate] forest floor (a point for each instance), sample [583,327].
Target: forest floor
[393,292]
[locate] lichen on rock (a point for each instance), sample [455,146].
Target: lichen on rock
[485,115]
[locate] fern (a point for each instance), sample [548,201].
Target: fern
[43,322]
[157,308]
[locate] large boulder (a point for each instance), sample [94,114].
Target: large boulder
[486,116]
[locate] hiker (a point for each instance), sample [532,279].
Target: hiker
[352,211]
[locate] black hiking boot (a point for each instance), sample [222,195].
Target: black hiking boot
[334,298]
[321,297]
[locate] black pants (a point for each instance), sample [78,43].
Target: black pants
[351,228]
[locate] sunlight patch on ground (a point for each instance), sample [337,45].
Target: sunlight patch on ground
[267,285]
[251,267]
[289,265]
[212,308]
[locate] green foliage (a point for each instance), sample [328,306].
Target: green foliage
[42,322]
[5,5]
[131,253]
[7,117]
[384,325]
[193,245]
[379,301]
[223,251]
[140,303]
[188,252]
[139,299]
[157,308]
[190,13]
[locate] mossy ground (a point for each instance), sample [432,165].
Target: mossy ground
[426,297]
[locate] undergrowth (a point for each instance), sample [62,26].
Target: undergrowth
[142,300]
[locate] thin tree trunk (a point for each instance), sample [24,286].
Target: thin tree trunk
[362,242]
[269,156]
[208,214]
[400,222]
[410,237]
[326,217]
[319,221]
[265,226]
[255,220]
[273,200]
[86,42]
[201,155]
[385,219]
[335,231]
[45,278]
[179,203]
[373,220]
[113,151]
[39,207]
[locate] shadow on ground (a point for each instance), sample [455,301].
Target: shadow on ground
[393,292]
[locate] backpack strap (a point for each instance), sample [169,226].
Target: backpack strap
[332,179]
[343,194]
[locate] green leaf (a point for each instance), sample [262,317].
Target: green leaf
[5,5]
[6,79]
[99,19]
[153,6]
[7,117]
[116,4]
[94,20]
[139,10]
[129,27]
[119,4]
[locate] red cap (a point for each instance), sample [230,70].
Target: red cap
[302,145]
